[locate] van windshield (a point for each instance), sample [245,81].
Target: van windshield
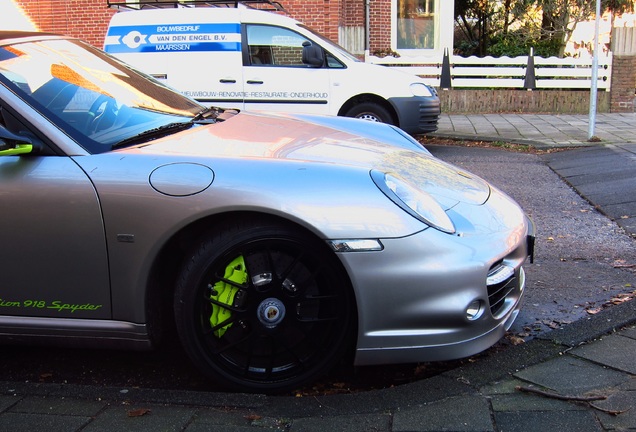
[331,45]
[93,98]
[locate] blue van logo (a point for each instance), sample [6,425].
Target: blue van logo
[171,37]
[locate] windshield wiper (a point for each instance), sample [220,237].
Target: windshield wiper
[207,115]
[155,133]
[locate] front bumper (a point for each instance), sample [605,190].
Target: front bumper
[434,296]
[417,114]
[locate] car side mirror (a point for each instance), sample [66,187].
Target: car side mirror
[313,55]
[12,144]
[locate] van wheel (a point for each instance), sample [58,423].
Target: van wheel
[370,111]
[263,307]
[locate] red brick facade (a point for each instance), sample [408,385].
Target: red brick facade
[380,25]
[321,15]
[623,83]
[86,19]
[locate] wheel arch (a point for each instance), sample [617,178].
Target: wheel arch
[167,264]
[371,98]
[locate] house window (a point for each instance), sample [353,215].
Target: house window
[417,21]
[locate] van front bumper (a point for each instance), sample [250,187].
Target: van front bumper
[417,114]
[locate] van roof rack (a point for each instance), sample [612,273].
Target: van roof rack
[269,5]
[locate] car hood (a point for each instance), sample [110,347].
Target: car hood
[329,140]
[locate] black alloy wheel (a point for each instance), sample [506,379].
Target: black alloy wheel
[263,307]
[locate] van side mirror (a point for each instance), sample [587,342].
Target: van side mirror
[313,55]
[12,144]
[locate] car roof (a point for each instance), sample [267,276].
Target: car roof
[6,35]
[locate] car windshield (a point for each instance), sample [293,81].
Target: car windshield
[96,100]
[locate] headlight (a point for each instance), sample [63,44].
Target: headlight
[421,89]
[418,203]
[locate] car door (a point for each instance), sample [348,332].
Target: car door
[53,260]
[275,77]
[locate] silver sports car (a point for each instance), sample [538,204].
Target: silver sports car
[273,244]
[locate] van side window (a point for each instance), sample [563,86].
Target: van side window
[274,46]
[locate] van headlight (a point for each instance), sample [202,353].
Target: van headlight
[417,203]
[421,89]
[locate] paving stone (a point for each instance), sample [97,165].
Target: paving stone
[531,402]
[230,417]
[629,385]
[501,387]
[221,428]
[58,406]
[568,375]
[360,423]
[615,351]
[561,421]
[623,405]
[41,422]
[158,418]
[460,414]
[7,402]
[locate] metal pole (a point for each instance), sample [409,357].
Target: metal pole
[594,88]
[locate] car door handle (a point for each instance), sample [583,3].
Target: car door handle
[227,81]
[255,82]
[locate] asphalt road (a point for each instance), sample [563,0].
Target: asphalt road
[578,252]
[574,274]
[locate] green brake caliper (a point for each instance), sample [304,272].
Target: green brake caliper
[224,293]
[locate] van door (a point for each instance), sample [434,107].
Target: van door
[211,72]
[275,77]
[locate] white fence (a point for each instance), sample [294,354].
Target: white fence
[504,72]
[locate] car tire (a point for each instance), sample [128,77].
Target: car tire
[263,307]
[370,111]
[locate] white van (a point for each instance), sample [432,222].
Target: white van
[251,59]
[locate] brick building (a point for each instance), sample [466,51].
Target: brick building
[419,26]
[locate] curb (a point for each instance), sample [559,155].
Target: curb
[463,380]
[521,141]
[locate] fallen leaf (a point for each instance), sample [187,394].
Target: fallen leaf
[253,417]
[420,369]
[515,340]
[552,324]
[138,412]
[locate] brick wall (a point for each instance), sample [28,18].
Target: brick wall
[521,101]
[380,25]
[623,83]
[623,69]
[352,13]
[320,15]
[86,19]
